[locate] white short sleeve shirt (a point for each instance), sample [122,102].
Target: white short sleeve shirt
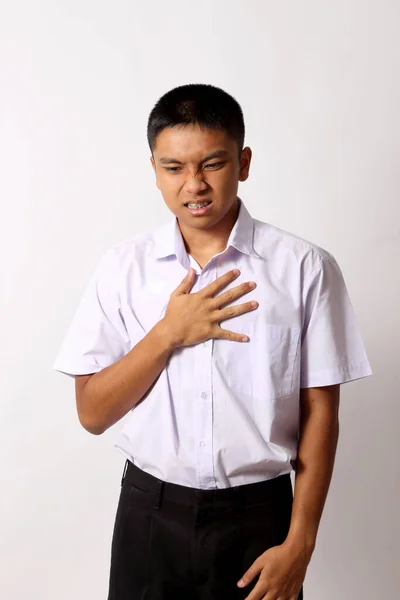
[221,413]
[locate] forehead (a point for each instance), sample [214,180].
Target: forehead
[190,142]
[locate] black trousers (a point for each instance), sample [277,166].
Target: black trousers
[172,542]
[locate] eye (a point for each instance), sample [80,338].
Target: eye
[214,165]
[172,169]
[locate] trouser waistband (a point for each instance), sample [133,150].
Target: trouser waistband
[264,491]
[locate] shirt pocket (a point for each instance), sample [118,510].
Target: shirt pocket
[264,367]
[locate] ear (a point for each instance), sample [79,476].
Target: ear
[153,164]
[245,160]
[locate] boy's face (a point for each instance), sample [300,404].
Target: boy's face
[193,166]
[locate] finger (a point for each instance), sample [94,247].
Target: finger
[234,293]
[234,311]
[186,284]
[224,334]
[217,285]
[260,592]
[250,574]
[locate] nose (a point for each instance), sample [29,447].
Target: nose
[195,182]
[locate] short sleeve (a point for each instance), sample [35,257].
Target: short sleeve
[97,336]
[332,350]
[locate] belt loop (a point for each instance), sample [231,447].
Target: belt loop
[159,495]
[124,472]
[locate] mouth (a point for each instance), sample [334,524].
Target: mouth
[199,208]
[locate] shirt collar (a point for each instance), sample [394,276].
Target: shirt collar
[168,239]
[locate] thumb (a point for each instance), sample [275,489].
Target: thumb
[187,283]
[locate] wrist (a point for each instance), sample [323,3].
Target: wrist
[302,542]
[167,335]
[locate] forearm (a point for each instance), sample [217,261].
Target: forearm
[319,433]
[111,393]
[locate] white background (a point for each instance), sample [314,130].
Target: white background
[319,85]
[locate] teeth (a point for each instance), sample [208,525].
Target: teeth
[191,205]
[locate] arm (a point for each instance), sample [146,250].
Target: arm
[319,433]
[282,569]
[105,397]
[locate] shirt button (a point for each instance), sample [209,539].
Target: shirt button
[203,444]
[203,395]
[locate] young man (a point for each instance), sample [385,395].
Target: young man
[228,340]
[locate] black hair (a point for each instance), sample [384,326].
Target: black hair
[197,104]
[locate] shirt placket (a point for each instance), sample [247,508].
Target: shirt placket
[203,401]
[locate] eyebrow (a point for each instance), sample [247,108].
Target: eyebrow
[217,154]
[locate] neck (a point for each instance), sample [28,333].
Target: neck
[211,241]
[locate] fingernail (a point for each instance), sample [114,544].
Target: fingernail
[241,583]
